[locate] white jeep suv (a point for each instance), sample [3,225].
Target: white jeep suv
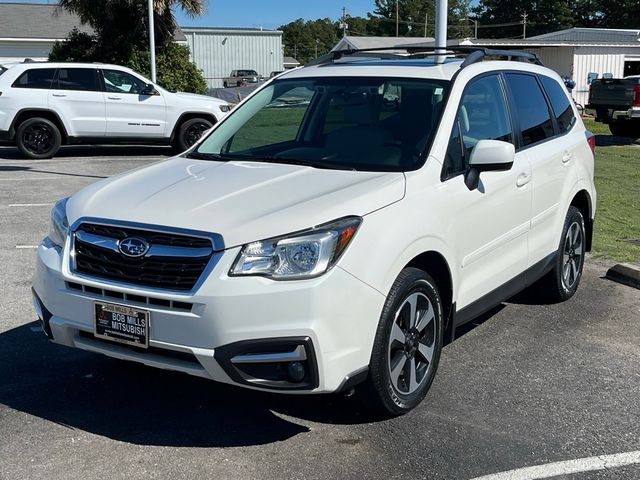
[334,229]
[46,105]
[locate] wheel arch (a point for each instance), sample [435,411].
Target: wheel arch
[582,201]
[27,113]
[191,115]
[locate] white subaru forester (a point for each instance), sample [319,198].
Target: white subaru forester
[334,229]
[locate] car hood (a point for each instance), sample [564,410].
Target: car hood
[242,201]
[198,98]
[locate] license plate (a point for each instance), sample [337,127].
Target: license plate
[123,324]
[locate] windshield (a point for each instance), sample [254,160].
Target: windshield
[246,73]
[375,124]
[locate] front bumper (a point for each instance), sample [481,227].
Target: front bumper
[228,326]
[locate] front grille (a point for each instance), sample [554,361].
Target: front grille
[97,255]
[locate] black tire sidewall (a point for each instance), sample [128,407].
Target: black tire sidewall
[181,143]
[388,399]
[34,121]
[573,216]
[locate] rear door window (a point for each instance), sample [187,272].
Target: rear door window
[531,109]
[36,78]
[81,79]
[559,102]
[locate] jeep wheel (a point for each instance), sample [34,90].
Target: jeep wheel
[190,132]
[407,345]
[38,138]
[627,128]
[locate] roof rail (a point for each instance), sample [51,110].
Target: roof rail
[471,54]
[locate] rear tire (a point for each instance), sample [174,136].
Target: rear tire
[407,346]
[38,138]
[561,283]
[626,128]
[190,132]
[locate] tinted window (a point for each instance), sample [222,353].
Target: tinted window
[84,79]
[122,82]
[531,108]
[36,78]
[560,103]
[246,73]
[375,124]
[482,115]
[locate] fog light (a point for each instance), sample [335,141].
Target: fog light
[296,371]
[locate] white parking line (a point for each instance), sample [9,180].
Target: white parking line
[30,204]
[580,465]
[26,247]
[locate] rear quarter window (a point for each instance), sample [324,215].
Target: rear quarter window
[36,78]
[559,102]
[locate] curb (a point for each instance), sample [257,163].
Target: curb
[626,274]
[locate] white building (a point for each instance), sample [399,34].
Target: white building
[218,51]
[30,30]
[573,53]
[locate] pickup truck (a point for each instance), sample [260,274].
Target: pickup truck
[241,77]
[617,103]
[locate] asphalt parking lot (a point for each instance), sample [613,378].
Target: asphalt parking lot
[525,385]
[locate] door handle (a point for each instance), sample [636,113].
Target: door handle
[114,98]
[566,157]
[523,179]
[58,95]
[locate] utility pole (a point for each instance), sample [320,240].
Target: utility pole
[152,42]
[343,22]
[397,20]
[475,29]
[441,28]
[524,25]
[317,42]
[426,21]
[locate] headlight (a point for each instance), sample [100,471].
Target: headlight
[225,108]
[59,226]
[300,255]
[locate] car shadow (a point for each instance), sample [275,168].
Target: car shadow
[12,153]
[20,168]
[611,141]
[133,403]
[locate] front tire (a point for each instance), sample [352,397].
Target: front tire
[190,132]
[561,283]
[407,346]
[38,138]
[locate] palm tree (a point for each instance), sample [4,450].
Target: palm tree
[123,22]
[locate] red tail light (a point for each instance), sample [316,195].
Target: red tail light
[636,95]
[591,140]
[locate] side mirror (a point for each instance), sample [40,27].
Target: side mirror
[488,156]
[150,90]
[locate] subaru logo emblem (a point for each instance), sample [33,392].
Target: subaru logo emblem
[133,247]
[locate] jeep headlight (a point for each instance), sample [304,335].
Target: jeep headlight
[59,225]
[299,255]
[225,108]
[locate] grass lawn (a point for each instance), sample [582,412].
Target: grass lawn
[618,212]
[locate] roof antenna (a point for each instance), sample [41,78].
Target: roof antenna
[441,29]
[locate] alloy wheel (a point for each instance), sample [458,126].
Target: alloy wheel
[572,255]
[411,345]
[38,138]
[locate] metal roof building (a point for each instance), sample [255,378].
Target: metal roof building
[574,53]
[29,30]
[218,51]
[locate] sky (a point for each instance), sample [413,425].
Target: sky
[269,14]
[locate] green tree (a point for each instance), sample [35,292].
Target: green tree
[413,13]
[302,39]
[121,37]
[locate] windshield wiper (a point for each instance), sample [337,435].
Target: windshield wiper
[206,156]
[291,161]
